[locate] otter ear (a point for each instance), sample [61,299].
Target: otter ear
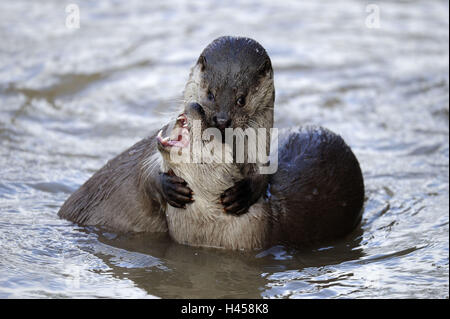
[265,68]
[202,62]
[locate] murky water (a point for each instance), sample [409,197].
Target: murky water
[70,99]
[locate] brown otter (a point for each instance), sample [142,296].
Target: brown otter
[317,194]
[231,85]
[233,81]
[203,222]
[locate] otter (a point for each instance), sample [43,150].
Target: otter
[230,86]
[233,81]
[204,222]
[316,196]
[317,193]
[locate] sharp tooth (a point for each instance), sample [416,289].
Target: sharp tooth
[160,134]
[166,139]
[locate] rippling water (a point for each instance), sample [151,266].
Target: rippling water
[70,99]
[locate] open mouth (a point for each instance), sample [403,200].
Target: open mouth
[179,137]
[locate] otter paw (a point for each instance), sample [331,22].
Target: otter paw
[236,199]
[175,190]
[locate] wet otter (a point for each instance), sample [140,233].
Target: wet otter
[316,195]
[204,222]
[232,82]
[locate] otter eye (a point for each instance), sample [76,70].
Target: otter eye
[241,101]
[210,96]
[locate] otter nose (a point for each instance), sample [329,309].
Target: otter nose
[221,122]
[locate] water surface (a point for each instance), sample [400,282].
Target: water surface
[70,99]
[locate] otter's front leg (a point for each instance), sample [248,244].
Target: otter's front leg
[238,198]
[174,190]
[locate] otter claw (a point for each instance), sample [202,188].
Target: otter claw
[175,190]
[236,199]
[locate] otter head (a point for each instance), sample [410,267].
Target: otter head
[178,137]
[232,81]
